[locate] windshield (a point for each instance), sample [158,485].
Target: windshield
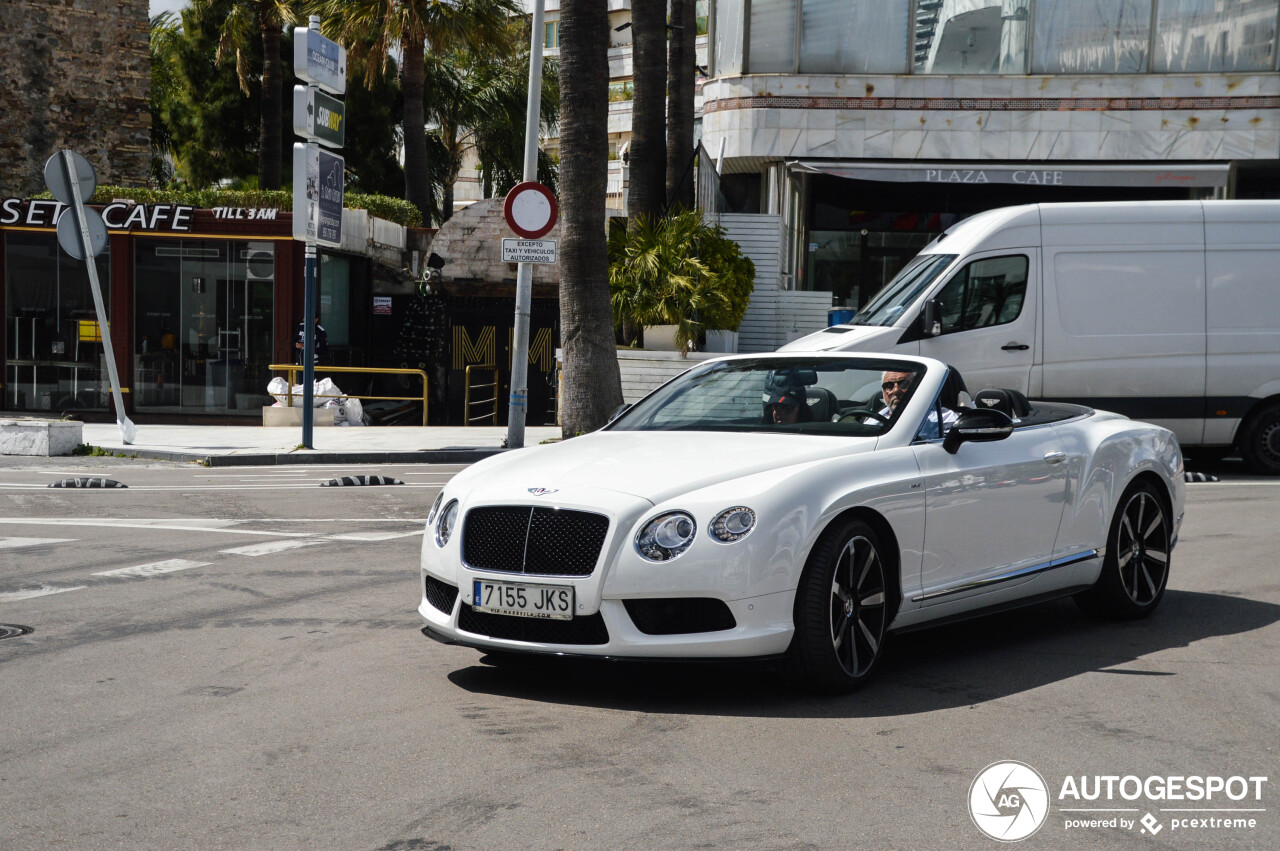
[828,396]
[897,295]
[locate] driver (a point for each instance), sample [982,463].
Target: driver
[896,386]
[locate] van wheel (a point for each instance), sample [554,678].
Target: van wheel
[1260,441]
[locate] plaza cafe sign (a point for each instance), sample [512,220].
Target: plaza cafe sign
[118,215]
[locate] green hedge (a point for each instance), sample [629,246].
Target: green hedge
[392,209]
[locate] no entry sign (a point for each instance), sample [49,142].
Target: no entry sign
[530,210]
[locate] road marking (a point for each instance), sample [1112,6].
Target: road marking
[372,536]
[269,547]
[42,591]
[155,568]
[168,525]
[14,543]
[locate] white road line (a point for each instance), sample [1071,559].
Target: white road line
[169,525]
[372,536]
[155,568]
[42,591]
[269,547]
[15,543]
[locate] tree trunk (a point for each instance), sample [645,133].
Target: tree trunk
[647,192]
[592,387]
[417,180]
[681,59]
[270,131]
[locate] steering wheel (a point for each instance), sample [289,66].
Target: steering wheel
[859,416]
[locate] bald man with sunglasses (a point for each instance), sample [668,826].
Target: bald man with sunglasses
[896,386]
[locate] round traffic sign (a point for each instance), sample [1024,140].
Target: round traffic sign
[59,182]
[531,210]
[69,232]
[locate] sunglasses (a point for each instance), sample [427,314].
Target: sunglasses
[898,382]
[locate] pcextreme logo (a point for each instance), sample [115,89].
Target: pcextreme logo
[1010,801]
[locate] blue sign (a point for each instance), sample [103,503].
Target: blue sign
[319,60]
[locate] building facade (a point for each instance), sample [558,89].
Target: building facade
[869,126]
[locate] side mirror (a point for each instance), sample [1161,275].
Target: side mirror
[977,425]
[618,411]
[931,320]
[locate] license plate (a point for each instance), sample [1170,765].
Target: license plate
[530,601]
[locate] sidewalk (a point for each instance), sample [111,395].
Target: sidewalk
[227,446]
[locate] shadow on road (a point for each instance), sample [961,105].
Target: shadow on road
[958,665]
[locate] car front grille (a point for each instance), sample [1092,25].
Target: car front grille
[441,594]
[533,540]
[589,629]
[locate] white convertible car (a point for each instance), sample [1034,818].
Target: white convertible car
[801,506]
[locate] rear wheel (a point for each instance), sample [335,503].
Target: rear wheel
[1260,441]
[842,610]
[1135,569]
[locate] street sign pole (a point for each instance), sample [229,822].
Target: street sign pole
[309,347]
[128,431]
[518,406]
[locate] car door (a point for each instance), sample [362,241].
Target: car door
[991,510]
[987,312]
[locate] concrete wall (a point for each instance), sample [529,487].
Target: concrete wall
[74,74]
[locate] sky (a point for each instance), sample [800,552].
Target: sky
[158,6]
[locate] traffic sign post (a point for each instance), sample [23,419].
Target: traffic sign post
[83,235]
[318,176]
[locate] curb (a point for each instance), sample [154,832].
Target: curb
[423,456]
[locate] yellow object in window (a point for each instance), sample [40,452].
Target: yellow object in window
[90,332]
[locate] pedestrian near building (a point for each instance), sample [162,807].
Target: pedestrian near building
[321,343]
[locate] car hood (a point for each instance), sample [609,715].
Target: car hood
[653,466]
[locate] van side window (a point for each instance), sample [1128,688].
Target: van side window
[984,293]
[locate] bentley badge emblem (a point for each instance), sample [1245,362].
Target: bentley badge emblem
[542,491]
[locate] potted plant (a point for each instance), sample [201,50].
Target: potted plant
[678,271]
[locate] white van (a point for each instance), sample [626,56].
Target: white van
[1165,311]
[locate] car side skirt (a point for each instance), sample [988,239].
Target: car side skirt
[1056,594]
[1021,573]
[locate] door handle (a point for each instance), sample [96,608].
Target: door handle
[1014,347]
[1055,457]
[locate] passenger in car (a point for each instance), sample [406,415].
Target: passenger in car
[787,405]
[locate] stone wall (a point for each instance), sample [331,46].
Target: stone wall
[74,74]
[470,244]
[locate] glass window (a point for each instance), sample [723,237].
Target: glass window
[335,299]
[984,293]
[700,14]
[1210,35]
[1097,37]
[54,343]
[887,306]
[728,37]
[852,37]
[971,37]
[773,36]
[551,34]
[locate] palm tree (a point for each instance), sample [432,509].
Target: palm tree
[592,387]
[265,20]
[648,157]
[681,61]
[413,26]
[166,32]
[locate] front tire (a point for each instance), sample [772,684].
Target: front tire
[1260,441]
[1135,570]
[842,610]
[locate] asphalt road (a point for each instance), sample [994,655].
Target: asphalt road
[231,659]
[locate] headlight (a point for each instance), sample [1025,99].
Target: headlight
[447,519]
[666,536]
[435,506]
[733,524]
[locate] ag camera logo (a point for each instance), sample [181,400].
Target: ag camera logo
[1008,801]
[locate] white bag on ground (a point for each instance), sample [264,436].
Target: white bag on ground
[323,391]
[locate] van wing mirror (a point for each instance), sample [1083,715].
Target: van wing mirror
[977,425]
[931,320]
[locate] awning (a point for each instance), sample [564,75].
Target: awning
[1052,174]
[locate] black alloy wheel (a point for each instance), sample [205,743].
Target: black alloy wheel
[842,610]
[1135,570]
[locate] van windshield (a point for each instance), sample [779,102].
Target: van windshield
[887,305]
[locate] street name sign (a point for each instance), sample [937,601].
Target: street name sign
[528,251]
[317,195]
[319,117]
[319,60]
